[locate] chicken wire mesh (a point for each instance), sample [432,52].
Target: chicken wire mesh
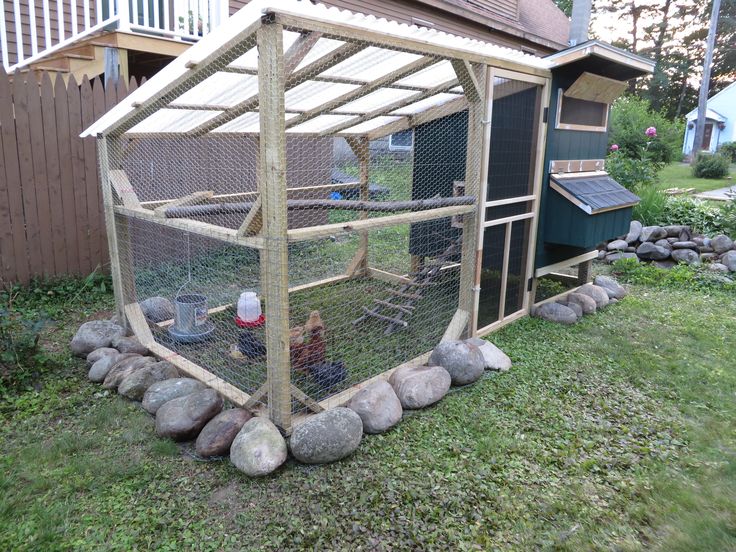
[371,228]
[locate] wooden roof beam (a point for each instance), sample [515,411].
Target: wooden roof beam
[467,78]
[410,121]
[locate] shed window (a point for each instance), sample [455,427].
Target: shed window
[401,141]
[576,114]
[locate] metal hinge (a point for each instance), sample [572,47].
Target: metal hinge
[529,284]
[545,114]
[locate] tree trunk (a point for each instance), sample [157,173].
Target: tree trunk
[705,83]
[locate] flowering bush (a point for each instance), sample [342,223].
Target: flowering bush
[638,131]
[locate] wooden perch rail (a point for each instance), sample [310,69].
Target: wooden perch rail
[342,204]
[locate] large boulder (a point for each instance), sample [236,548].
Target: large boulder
[164,391]
[129,345]
[556,312]
[652,233]
[673,230]
[721,243]
[99,370]
[327,436]
[729,260]
[218,435]
[586,302]
[463,361]
[420,386]
[634,232]
[259,448]
[684,245]
[576,308]
[493,357]
[664,243]
[651,252]
[378,406]
[597,293]
[94,335]
[97,354]
[611,286]
[617,245]
[136,384]
[123,368]
[157,309]
[687,256]
[717,267]
[182,419]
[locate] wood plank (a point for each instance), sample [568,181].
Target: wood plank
[91,178]
[472,89]
[544,270]
[98,103]
[274,255]
[411,121]
[299,50]
[253,222]
[305,399]
[27,183]
[457,325]
[388,277]
[191,199]
[323,282]
[7,265]
[326,230]
[596,88]
[361,149]
[124,189]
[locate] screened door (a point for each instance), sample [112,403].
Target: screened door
[509,215]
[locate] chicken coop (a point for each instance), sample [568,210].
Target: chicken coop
[251,256]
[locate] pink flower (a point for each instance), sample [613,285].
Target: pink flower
[614,147]
[651,132]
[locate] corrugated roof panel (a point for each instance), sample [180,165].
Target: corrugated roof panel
[319,124]
[320,49]
[370,64]
[374,100]
[174,120]
[594,193]
[370,124]
[432,76]
[426,103]
[247,123]
[220,90]
[311,94]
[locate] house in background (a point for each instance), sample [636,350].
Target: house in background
[720,122]
[136,38]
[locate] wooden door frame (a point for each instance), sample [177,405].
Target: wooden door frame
[544,101]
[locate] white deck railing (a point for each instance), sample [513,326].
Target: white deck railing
[36,28]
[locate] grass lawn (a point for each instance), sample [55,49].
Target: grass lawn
[617,433]
[679,175]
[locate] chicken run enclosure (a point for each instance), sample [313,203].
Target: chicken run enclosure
[221,177]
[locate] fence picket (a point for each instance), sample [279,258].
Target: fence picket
[7,274]
[90,176]
[98,98]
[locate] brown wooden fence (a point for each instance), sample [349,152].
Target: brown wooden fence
[51,218]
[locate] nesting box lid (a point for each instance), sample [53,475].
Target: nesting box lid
[593,192]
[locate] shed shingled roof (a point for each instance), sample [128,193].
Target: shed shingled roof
[594,193]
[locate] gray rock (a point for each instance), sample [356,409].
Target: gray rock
[630,249]
[97,354]
[129,345]
[617,245]
[652,233]
[164,391]
[94,335]
[684,245]
[123,368]
[218,435]
[685,234]
[706,249]
[664,265]
[99,370]
[555,312]
[420,386]
[259,448]
[613,257]
[687,256]
[136,384]
[721,243]
[634,232]
[673,231]
[611,286]
[183,418]
[699,240]
[672,240]
[327,436]
[718,267]
[586,302]
[729,260]
[707,256]
[664,243]
[576,308]
[597,293]
[493,357]
[378,407]
[463,361]
[649,251]
[601,254]
[157,309]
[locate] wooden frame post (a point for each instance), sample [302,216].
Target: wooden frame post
[274,255]
[473,169]
[360,147]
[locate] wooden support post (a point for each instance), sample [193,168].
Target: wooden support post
[584,272]
[274,255]
[361,149]
[473,169]
[253,222]
[457,325]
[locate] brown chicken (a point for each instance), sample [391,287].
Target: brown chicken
[316,350]
[314,323]
[297,349]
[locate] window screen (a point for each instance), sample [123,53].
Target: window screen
[582,113]
[401,141]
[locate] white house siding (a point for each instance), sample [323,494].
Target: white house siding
[723,103]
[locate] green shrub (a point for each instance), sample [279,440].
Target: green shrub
[632,172]
[681,276]
[20,356]
[728,150]
[727,218]
[710,166]
[629,121]
[650,210]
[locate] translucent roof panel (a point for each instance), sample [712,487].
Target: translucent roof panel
[375,100]
[320,124]
[432,76]
[174,120]
[370,124]
[249,60]
[311,94]
[426,103]
[370,64]
[220,90]
[320,49]
[247,123]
